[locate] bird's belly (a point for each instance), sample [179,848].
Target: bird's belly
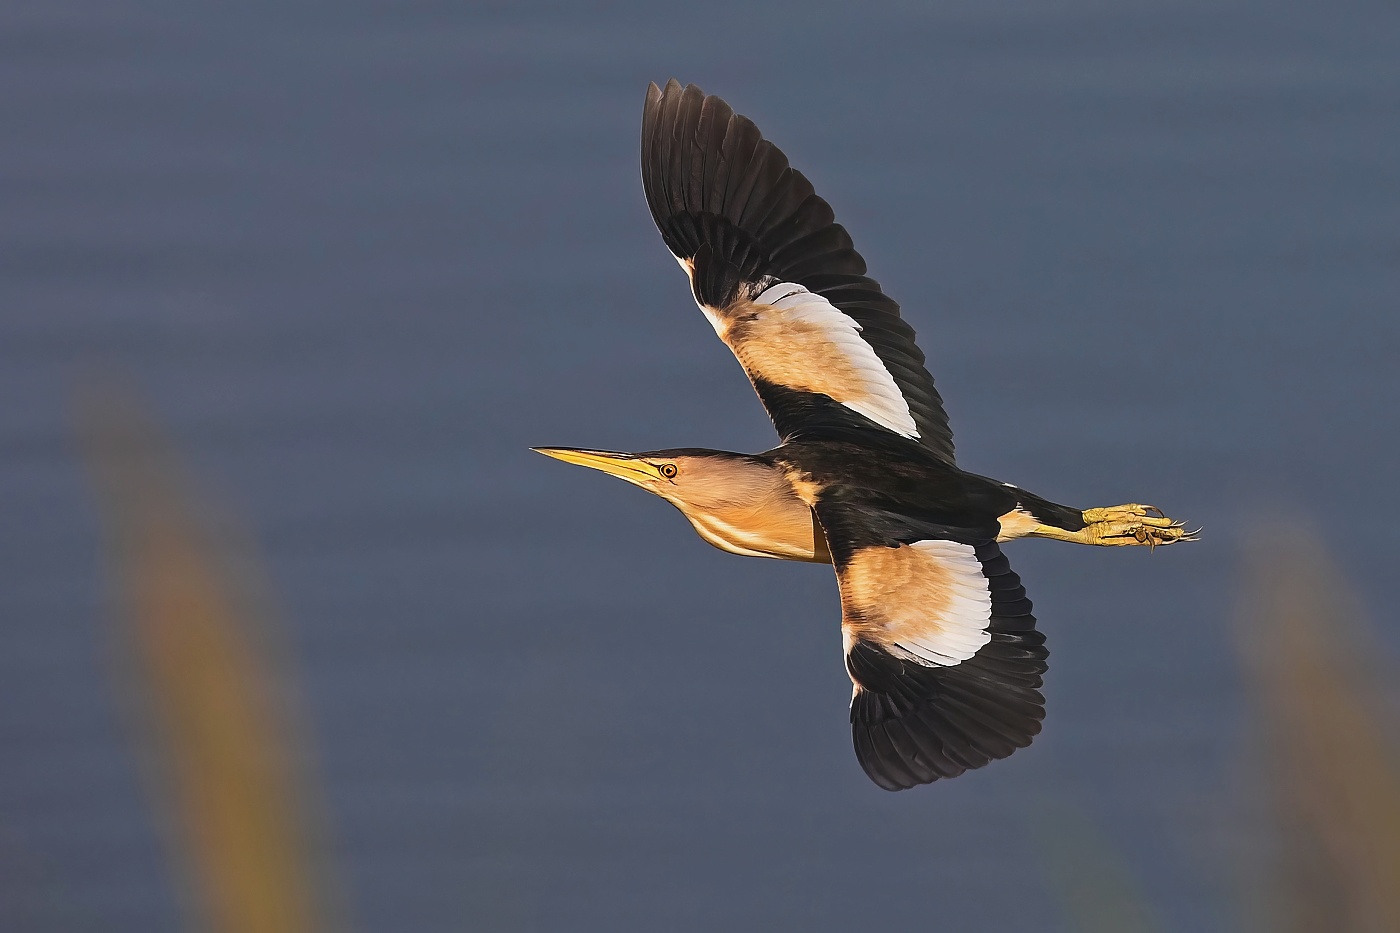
[794,535]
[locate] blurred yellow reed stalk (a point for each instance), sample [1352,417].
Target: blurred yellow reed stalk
[1095,887]
[224,764]
[1328,747]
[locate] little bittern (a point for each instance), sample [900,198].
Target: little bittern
[940,643]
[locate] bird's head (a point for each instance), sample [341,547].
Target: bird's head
[741,503]
[690,478]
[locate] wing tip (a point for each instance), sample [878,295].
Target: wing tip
[931,747]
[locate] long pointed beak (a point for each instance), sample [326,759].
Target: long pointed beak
[614,463]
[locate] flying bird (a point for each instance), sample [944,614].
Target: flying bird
[940,644]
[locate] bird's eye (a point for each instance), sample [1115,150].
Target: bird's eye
[669,470]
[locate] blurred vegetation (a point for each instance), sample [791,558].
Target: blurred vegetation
[226,758]
[1322,788]
[1096,889]
[1326,760]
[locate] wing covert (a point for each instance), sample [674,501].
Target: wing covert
[779,279]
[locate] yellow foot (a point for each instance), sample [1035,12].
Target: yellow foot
[1131,524]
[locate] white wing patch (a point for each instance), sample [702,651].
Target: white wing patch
[792,337]
[927,601]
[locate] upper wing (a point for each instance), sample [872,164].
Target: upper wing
[940,645]
[778,277]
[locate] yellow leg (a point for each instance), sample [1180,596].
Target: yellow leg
[1121,525]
